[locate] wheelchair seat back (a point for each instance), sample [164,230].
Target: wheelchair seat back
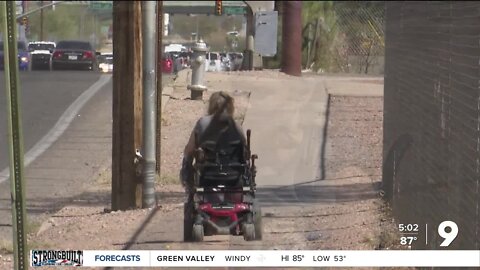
[223,162]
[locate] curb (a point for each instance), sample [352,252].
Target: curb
[166,94]
[181,77]
[355,88]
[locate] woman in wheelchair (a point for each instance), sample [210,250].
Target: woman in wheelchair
[215,131]
[221,183]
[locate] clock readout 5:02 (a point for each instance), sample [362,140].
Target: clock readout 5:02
[408,227]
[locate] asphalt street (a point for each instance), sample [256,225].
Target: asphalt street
[45,96]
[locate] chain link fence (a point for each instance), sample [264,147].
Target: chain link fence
[344,37]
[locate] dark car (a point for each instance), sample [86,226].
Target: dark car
[74,54]
[23,56]
[41,53]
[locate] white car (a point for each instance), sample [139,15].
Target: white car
[227,63]
[213,62]
[41,52]
[105,61]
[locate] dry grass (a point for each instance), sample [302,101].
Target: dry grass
[32,244]
[32,227]
[166,179]
[6,247]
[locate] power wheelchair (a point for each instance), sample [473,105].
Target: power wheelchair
[223,199]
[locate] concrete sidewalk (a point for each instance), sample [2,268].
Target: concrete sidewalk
[287,116]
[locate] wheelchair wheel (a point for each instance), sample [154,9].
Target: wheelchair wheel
[187,222]
[197,233]
[257,220]
[248,232]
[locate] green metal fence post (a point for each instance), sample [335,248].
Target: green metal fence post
[15,136]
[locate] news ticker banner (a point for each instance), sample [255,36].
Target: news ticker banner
[256,258]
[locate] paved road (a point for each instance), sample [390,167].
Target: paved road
[45,96]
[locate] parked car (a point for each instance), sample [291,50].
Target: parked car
[23,56]
[213,62]
[167,63]
[179,61]
[41,53]
[226,61]
[74,54]
[105,62]
[237,60]
[185,59]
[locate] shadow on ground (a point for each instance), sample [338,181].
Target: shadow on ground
[295,195]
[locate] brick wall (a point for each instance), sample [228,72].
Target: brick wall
[432,117]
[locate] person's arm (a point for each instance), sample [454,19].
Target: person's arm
[244,141]
[242,134]
[190,147]
[188,153]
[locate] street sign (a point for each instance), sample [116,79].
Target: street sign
[101,5]
[234,10]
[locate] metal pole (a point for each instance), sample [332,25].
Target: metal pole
[94,30]
[41,22]
[198,34]
[149,102]
[15,136]
[159,50]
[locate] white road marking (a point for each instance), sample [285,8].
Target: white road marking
[62,124]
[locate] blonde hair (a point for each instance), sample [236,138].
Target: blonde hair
[221,101]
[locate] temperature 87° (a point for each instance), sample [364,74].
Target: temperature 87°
[407,240]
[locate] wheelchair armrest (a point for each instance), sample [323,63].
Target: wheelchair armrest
[233,164]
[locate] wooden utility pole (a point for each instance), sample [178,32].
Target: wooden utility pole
[159,85]
[127,105]
[292,38]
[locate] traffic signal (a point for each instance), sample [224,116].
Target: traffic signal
[218,7]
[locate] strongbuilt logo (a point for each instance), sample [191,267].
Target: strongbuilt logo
[56,257]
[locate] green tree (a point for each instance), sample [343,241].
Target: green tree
[68,21]
[323,20]
[362,23]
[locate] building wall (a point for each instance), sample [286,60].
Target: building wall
[432,117]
